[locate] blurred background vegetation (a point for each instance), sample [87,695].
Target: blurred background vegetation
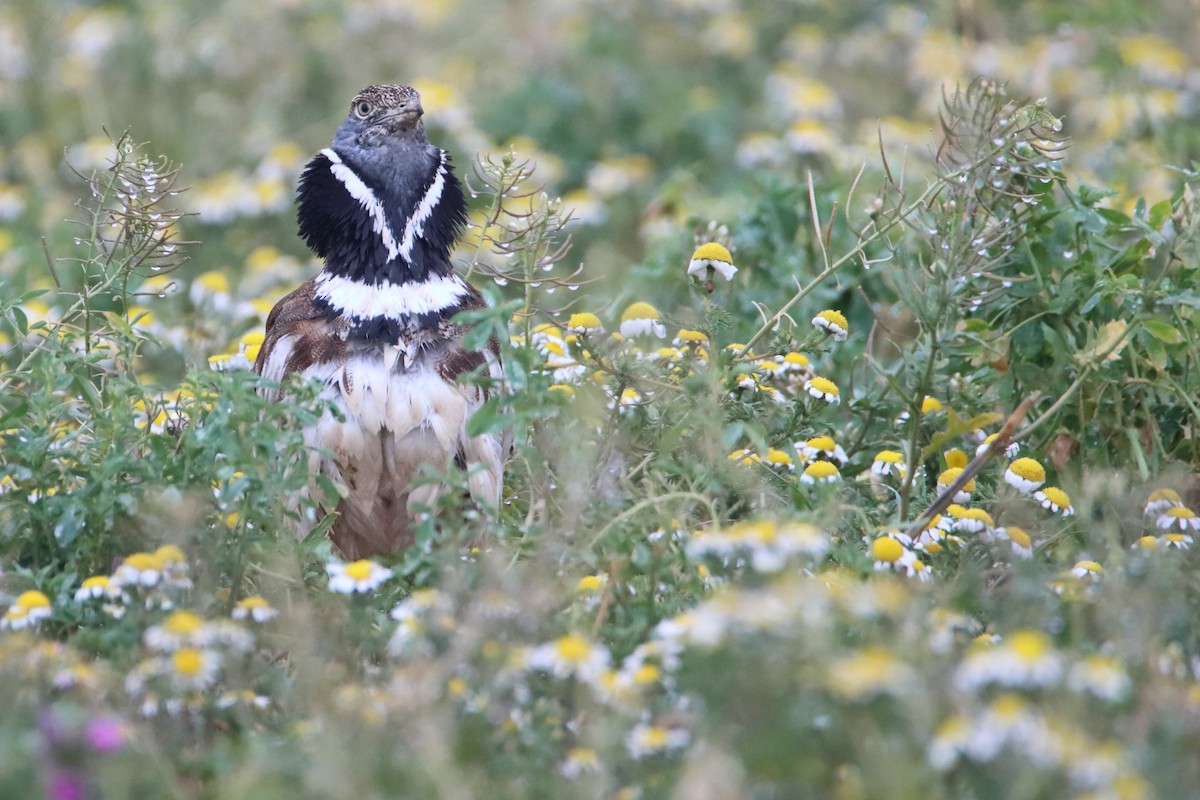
[642,115]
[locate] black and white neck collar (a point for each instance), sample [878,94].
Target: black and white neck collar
[386,248]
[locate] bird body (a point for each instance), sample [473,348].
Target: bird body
[383,208]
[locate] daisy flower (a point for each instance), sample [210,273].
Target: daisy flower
[956,458]
[1011,449]
[27,610]
[1025,475]
[1162,499]
[642,319]
[139,569]
[888,461]
[1178,518]
[834,322]
[358,576]
[648,740]
[974,520]
[947,479]
[1055,500]
[823,389]
[180,628]
[779,459]
[1025,658]
[687,337]
[887,552]
[193,667]
[256,608]
[584,322]
[95,587]
[1178,541]
[820,472]
[1022,544]
[1087,569]
[821,447]
[569,655]
[709,258]
[795,362]
[1100,675]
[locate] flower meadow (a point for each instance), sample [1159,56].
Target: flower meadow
[850,358]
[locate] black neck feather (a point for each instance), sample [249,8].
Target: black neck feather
[340,227]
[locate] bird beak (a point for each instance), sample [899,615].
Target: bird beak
[404,117]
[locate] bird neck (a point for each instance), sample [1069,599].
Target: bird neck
[386,242]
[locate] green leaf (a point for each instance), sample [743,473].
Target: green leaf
[20,321]
[68,526]
[1162,331]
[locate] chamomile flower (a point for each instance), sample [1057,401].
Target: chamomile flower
[687,337]
[744,457]
[180,629]
[1086,569]
[823,389]
[95,587]
[571,655]
[591,584]
[1025,475]
[1054,499]
[1178,518]
[1160,500]
[869,673]
[889,553]
[193,667]
[139,569]
[796,363]
[834,322]
[709,258]
[947,479]
[642,319]
[1025,658]
[359,576]
[821,447]
[27,610]
[579,761]
[1022,544]
[1012,449]
[1147,543]
[585,322]
[1101,676]
[780,460]
[1177,541]
[974,520]
[256,608]
[649,740]
[888,461]
[820,471]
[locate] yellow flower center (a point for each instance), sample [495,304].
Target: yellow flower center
[647,673]
[694,337]
[654,738]
[253,601]
[182,623]
[824,386]
[144,562]
[572,648]
[584,320]
[1029,645]
[1028,469]
[1057,496]
[639,310]
[821,470]
[835,318]
[1179,512]
[360,570]
[187,661]
[887,549]
[1018,536]
[712,251]
[822,443]
[889,456]
[589,583]
[33,599]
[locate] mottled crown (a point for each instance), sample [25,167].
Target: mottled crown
[386,95]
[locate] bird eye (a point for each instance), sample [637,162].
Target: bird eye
[363,109]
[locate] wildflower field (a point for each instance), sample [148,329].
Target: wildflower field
[851,359]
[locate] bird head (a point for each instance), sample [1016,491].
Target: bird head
[383,117]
